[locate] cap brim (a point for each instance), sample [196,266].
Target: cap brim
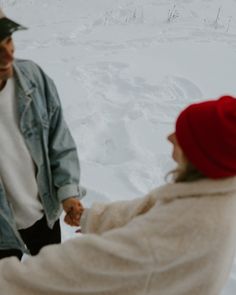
[8,27]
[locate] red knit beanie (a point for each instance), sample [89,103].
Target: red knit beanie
[206,132]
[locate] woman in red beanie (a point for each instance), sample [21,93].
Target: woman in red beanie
[179,239]
[206,132]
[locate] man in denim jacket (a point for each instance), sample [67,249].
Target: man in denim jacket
[39,167]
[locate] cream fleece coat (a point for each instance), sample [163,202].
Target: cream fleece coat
[178,240]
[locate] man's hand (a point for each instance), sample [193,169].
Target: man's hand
[74,210]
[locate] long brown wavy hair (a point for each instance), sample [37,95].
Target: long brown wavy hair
[185,172]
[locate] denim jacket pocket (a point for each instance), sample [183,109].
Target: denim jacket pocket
[44,121]
[34,128]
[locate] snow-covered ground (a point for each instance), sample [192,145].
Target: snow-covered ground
[124,69]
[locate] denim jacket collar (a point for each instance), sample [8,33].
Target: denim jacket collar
[24,89]
[24,83]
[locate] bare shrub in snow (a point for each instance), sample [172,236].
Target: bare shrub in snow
[220,22]
[121,16]
[228,25]
[216,22]
[172,14]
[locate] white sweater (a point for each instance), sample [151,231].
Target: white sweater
[17,169]
[178,240]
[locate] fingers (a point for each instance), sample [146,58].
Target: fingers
[68,220]
[71,221]
[74,210]
[78,207]
[73,216]
[72,204]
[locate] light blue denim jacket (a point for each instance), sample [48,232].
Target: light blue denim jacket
[50,144]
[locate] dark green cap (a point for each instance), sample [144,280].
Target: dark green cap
[8,26]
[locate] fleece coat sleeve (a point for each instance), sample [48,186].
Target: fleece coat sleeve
[102,217]
[116,262]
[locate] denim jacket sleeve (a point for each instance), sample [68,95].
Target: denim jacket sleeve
[63,156]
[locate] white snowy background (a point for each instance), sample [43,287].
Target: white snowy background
[124,69]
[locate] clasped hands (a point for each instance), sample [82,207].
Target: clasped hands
[74,209]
